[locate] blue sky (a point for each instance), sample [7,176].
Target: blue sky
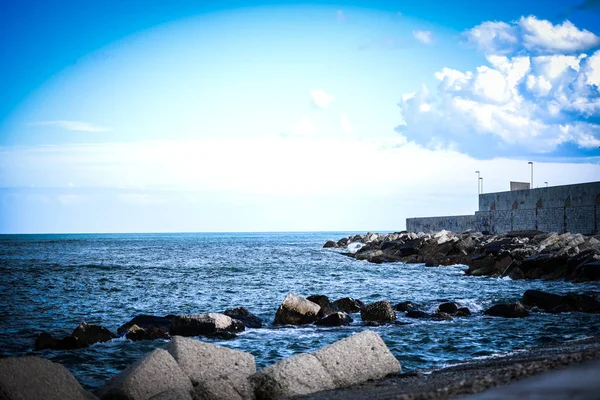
[270,116]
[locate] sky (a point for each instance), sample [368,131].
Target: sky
[228,116]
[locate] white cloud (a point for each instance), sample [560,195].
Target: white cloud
[345,124]
[320,98]
[423,36]
[531,34]
[76,126]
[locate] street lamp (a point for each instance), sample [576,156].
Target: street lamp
[478,178]
[546,184]
[481,180]
[531,163]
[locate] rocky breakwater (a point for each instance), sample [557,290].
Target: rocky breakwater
[519,255]
[191,369]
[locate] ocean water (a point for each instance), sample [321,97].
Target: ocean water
[54,282]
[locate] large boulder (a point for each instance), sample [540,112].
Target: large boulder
[448,307]
[349,305]
[543,300]
[330,244]
[507,310]
[295,376]
[210,325]
[380,311]
[215,372]
[405,306]
[319,299]
[588,271]
[242,314]
[350,361]
[37,378]
[357,359]
[152,375]
[147,321]
[555,303]
[87,334]
[296,310]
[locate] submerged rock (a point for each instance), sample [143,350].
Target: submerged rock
[555,303]
[147,321]
[87,334]
[135,333]
[507,310]
[296,310]
[335,319]
[448,308]
[405,306]
[380,311]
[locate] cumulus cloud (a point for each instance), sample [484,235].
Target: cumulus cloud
[532,35]
[320,98]
[423,36]
[516,104]
[76,126]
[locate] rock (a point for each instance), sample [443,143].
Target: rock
[349,305]
[357,359]
[211,325]
[507,310]
[380,311]
[319,299]
[215,372]
[353,360]
[543,300]
[330,244]
[405,306]
[45,341]
[37,378]
[173,394]
[298,375]
[589,271]
[448,308]
[147,321]
[342,242]
[516,273]
[584,302]
[335,319]
[417,314]
[440,316]
[242,314]
[154,374]
[87,334]
[462,312]
[135,333]
[296,310]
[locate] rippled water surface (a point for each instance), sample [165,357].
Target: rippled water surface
[53,282]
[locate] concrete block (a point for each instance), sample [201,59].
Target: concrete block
[215,371]
[154,374]
[24,378]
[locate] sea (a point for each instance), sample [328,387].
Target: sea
[53,282]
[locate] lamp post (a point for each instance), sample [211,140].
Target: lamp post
[531,163]
[478,184]
[546,184]
[481,180]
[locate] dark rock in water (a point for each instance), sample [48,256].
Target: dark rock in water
[44,341]
[343,242]
[335,319]
[37,378]
[417,314]
[441,316]
[507,310]
[329,244]
[135,333]
[242,314]
[585,302]
[380,311]
[542,264]
[210,325]
[405,306]
[296,310]
[545,301]
[448,308]
[349,305]
[410,247]
[463,312]
[319,299]
[147,321]
[391,245]
[87,334]
[589,271]
[327,309]
[516,273]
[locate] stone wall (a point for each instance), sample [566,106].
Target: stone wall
[569,208]
[457,223]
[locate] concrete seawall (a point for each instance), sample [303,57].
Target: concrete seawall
[568,208]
